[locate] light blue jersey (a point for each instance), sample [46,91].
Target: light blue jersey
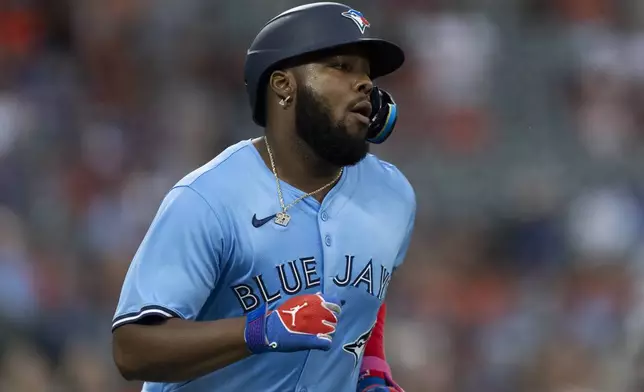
[210,254]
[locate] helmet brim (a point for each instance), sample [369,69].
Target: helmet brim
[384,57]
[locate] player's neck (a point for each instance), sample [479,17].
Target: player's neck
[296,162]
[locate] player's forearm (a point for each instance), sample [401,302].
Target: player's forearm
[178,350]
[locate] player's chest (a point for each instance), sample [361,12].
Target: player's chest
[349,254]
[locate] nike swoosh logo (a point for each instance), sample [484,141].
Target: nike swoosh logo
[262,222]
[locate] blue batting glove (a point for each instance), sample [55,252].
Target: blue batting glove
[376,381]
[303,322]
[374,384]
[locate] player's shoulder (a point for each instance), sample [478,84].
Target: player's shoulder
[385,174]
[222,172]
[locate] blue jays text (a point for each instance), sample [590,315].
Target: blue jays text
[302,275]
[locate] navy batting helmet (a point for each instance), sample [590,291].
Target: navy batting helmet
[316,27]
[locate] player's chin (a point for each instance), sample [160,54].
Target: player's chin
[356,126]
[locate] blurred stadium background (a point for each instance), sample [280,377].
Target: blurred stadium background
[521,130]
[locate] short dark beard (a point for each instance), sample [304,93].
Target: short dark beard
[330,141]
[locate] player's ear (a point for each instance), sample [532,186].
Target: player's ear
[282,84]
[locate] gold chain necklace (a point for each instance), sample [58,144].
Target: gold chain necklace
[282,218]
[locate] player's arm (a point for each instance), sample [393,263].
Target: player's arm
[157,336]
[177,350]
[375,373]
[176,268]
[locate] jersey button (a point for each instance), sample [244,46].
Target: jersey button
[303,389]
[327,240]
[325,216]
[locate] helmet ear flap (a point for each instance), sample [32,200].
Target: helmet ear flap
[383,116]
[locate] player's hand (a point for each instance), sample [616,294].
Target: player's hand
[303,322]
[379,388]
[375,381]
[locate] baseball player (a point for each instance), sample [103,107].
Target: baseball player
[267,268]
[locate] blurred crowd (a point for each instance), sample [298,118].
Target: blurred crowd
[521,131]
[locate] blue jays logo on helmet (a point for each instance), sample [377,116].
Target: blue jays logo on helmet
[358,18]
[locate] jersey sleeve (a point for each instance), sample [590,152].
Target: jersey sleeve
[404,191]
[402,251]
[177,264]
